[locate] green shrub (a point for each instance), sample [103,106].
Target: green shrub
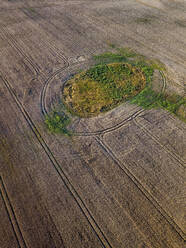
[57,122]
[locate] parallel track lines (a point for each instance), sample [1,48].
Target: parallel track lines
[13,43]
[44,90]
[11,215]
[84,209]
[50,47]
[49,22]
[58,168]
[113,128]
[7,36]
[153,137]
[130,34]
[140,186]
[173,154]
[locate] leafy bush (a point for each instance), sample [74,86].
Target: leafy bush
[57,122]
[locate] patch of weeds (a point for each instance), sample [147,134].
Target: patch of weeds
[57,122]
[31,12]
[149,99]
[144,20]
[121,55]
[109,57]
[112,45]
[102,87]
[147,19]
[181,112]
[181,23]
[30,9]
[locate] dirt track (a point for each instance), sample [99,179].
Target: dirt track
[119,182]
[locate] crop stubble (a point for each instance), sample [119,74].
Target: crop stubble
[97,191]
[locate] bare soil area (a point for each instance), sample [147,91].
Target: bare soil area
[119,182]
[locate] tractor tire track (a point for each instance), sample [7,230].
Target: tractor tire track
[113,128]
[134,119]
[123,122]
[130,34]
[82,206]
[140,186]
[53,25]
[12,216]
[142,127]
[36,68]
[43,102]
[47,44]
[13,43]
[155,138]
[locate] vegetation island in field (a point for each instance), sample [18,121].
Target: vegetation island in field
[103,87]
[115,78]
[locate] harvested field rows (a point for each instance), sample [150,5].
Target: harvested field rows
[119,180]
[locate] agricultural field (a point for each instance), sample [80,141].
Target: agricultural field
[92,123]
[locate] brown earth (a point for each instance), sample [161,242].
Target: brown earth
[119,182]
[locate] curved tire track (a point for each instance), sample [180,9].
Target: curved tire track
[43,103]
[89,133]
[113,128]
[123,122]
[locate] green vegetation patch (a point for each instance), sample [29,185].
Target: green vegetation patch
[149,99]
[103,87]
[57,122]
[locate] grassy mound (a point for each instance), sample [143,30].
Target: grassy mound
[103,87]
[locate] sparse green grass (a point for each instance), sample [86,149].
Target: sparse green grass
[181,23]
[144,20]
[149,99]
[57,122]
